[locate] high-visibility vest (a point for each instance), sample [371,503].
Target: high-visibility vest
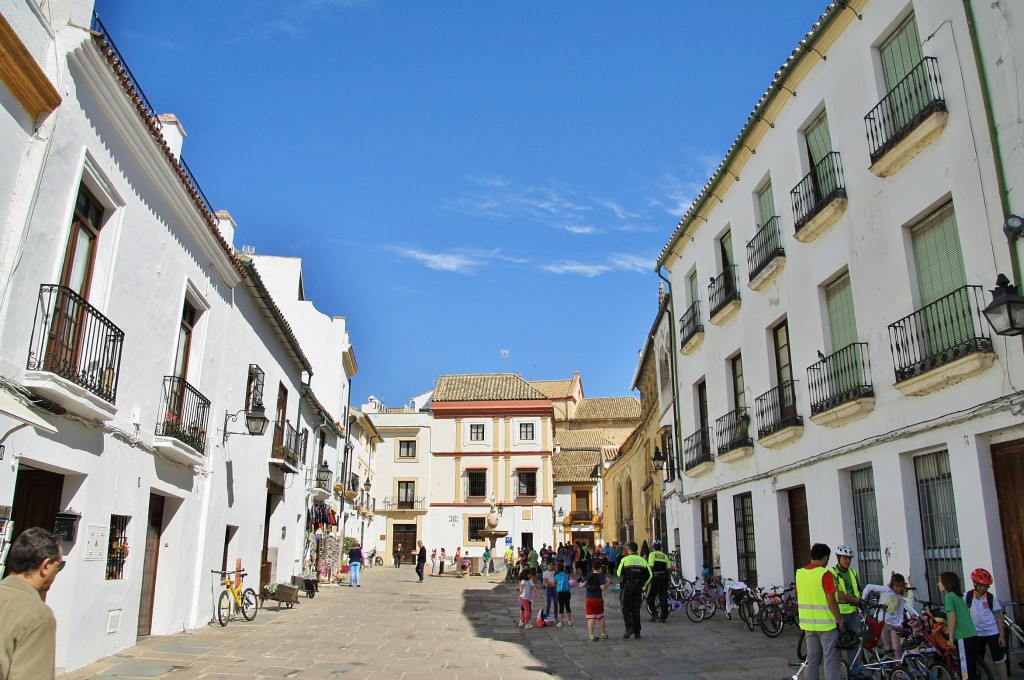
[812,605]
[841,587]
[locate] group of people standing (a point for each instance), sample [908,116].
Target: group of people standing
[827,602]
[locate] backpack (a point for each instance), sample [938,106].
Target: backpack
[970,598]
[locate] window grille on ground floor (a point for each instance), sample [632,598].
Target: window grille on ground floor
[117,547]
[939,533]
[865,519]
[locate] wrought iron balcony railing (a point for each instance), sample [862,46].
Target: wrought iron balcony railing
[818,188]
[723,290]
[732,431]
[582,515]
[70,338]
[909,102]
[776,409]
[697,448]
[290,447]
[839,378]
[948,329]
[764,247]
[690,324]
[403,504]
[186,413]
[353,482]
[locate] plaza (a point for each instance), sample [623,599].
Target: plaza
[395,627]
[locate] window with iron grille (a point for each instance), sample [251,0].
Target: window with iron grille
[117,547]
[865,519]
[254,387]
[709,531]
[746,551]
[527,482]
[407,448]
[670,456]
[477,482]
[476,432]
[939,533]
[474,526]
[526,432]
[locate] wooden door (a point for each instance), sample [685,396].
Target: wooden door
[154,528]
[1008,468]
[266,567]
[280,414]
[37,495]
[799,527]
[405,534]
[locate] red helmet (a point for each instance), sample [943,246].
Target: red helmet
[981,576]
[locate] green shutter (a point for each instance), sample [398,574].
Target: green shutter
[940,272]
[900,53]
[766,204]
[819,143]
[937,255]
[726,243]
[842,321]
[694,290]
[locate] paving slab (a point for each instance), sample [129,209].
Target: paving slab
[395,628]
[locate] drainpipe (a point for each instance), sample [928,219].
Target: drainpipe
[997,158]
[677,444]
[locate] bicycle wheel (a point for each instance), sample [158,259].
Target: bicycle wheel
[747,614]
[844,670]
[250,605]
[651,607]
[695,611]
[224,608]
[801,646]
[771,621]
[900,674]
[379,561]
[939,671]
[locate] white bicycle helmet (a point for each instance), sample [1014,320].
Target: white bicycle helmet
[844,551]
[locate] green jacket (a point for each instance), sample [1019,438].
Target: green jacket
[841,588]
[634,571]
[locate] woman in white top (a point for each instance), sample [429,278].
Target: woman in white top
[892,596]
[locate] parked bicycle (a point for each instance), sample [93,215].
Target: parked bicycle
[235,597]
[779,609]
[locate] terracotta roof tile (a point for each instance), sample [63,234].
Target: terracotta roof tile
[485,387]
[608,408]
[574,467]
[589,439]
[554,389]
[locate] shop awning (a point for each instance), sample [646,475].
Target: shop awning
[12,408]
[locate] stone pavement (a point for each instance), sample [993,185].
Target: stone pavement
[394,628]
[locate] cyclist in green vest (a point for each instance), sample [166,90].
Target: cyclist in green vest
[635,574]
[847,593]
[819,614]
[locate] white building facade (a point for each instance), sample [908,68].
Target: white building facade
[133,344]
[837,382]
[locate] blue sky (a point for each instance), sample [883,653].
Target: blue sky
[463,177]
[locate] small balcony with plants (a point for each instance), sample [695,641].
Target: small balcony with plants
[691,329]
[765,256]
[778,421]
[697,458]
[74,355]
[287,448]
[909,118]
[181,431]
[819,200]
[840,386]
[724,296]
[732,432]
[942,343]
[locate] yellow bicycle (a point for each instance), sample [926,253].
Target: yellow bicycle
[235,598]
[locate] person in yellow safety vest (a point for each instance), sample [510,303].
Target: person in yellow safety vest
[847,594]
[819,614]
[635,574]
[657,594]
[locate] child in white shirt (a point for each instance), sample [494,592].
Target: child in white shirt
[892,596]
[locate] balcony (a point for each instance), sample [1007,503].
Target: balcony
[181,432]
[765,256]
[819,200]
[393,505]
[941,344]
[840,386]
[352,489]
[724,296]
[691,330]
[286,455]
[697,458]
[74,355]
[907,119]
[778,422]
[582,516]
[732,431]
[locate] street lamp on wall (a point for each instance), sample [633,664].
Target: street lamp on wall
[658,460]
[323,474]
[1005,314]
[367,485]
[255,422]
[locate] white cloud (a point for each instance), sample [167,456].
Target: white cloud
[588,270]
[460,263]
[632,263]
[578,228]
[617,262]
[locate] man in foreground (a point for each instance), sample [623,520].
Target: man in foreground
[819,614]
[635,574]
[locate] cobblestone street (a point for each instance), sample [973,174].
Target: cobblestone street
[394,627]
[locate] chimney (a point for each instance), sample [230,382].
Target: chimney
[173,133]
[226,226]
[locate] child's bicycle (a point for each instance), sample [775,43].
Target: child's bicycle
[780,609]
[1014,633]
[930,630]
[235,597]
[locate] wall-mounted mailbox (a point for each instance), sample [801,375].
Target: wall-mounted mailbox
[66,525]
